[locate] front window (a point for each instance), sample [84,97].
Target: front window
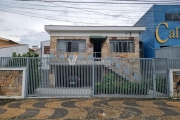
[71,45]
[122,45]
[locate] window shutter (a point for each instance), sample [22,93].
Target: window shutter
[74,46]
[61,46]
[111,43]
[82,46]
[131,47]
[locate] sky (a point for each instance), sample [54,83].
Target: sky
[23,21]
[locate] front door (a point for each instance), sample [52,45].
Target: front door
[97,48]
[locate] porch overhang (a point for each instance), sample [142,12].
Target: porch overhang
[118,31]
[95,37]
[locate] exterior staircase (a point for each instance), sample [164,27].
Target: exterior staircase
[124,71]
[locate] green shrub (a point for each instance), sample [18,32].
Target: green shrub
[109,85]
[161,85]
[133,88]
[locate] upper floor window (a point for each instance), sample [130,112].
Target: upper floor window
[71,45]
[122,45]
[172,17]
[46,49]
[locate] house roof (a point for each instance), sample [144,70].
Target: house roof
[59,28]
[10,45]
[11,41]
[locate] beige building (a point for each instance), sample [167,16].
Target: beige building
[96,41]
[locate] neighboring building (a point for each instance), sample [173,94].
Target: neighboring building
[10,45]
[7,47]
[6,51]
[31,50]
[44,53]
[162,24]
[35,47]
[38,51]
[97,41]
[4,41]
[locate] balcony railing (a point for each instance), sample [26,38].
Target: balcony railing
[82,55]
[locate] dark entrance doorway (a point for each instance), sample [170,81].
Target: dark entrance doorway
[97,48]
[97,42]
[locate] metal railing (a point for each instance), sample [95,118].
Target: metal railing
[82,54]
[108,77]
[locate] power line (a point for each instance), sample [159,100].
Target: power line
[46,10]
[56,6]
[68,16]
[51,18]
[122,2]
[123,17]
[48,18]
[86,10]
[72,16]
[108,8]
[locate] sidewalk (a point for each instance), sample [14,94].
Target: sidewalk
[118,109]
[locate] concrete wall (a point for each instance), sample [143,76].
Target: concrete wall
[7,52]
[89,47]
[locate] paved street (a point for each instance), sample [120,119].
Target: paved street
[128,109]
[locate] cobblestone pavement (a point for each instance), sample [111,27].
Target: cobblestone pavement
[115,109]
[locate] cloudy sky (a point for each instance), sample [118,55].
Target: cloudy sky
[23,21]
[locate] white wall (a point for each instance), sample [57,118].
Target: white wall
[7,52]
[45,56]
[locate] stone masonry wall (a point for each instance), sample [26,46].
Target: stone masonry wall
[89,47]
[53,46]
[106,48]
[11,82]
[176,78]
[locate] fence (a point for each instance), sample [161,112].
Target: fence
[114,77]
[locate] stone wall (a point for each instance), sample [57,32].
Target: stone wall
[176,78]
[53,46]
[89,47]
[106,48]
[11,82]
